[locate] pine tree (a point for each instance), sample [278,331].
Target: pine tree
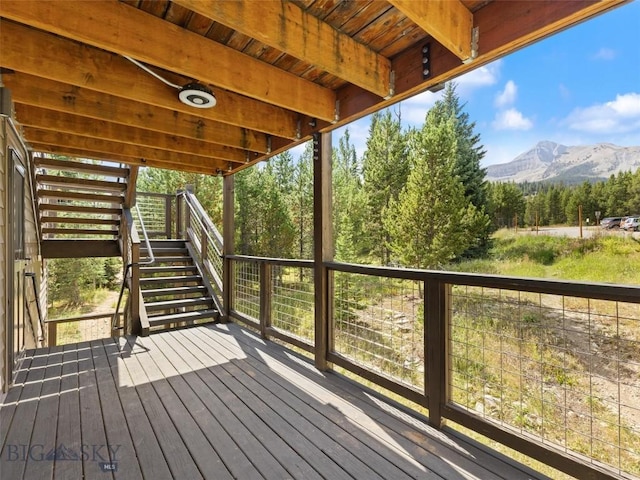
[348,202]
[507,202]
[385,170]
[429,221]
[301,204]
[467,163]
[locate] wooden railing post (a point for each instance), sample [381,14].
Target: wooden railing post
[204,245]
[167,215]
[228,246]
[52,334]
[323,245]
[179,207]
[130,193]
[134,291]
[265,298]
[436,311]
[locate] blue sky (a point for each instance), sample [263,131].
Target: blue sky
[578,87]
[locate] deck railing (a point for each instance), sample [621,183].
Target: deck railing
[62,331]
[549,368]
[204,241]
[158,213]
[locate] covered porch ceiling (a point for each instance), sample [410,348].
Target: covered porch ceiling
[280,71]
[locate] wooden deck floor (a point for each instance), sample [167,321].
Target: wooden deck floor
[214,402]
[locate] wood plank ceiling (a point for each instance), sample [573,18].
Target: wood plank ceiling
[280,70]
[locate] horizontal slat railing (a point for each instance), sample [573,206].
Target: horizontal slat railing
[549,368]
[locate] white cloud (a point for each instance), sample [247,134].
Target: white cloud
[484,76]
[414,110]
[621,115]
[605,54]
[507,96]
[511,119]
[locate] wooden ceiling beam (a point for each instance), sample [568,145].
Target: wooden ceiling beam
[30,90]
[286,27]
[504,27]
[48,56]
[122,29]
[45,119]
[447,21]
[35,136]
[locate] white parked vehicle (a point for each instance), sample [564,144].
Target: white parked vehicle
[631,224]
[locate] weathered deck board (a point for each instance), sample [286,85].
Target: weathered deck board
[44,428]
[114,417]
[68,426]
[147,450]
[218,402]
[375,424]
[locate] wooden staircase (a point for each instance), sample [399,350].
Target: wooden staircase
[174,292]
[80,207]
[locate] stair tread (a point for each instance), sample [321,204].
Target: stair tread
[169,268]
[167,251]
[180,317]
[181,302]
[176,279]
[180,259]
[151,292]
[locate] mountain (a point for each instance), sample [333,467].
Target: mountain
[549,161]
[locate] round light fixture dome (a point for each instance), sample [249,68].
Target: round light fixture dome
[196,95]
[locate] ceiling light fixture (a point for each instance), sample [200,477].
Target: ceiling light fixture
[192,94]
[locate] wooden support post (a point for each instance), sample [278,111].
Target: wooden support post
[228,243]
[323,245]
[436,323]
[167,215]
[52,334]
[130,193]
[580,219]
[179,208]
[204,246]
[265,298]
[134,326]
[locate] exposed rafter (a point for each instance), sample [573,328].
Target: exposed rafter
[448,21]
[82,143]
[70,62]
[36,91]
[111,157]
[286,27]
[63,122]
[281,69]
[124,30]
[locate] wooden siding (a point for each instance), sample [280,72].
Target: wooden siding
[3,252]
[217,402]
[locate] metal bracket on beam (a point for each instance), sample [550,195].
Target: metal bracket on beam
[336,112]
[475,37]
[268,144]
[392,84]
[299,128]
[426,61]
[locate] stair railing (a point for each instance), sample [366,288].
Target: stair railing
[205,240]
[131,251]
[40,337]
